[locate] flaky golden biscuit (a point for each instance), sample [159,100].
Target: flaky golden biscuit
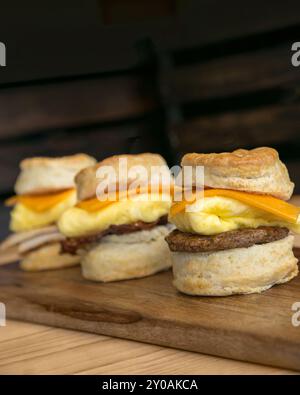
[235,271]
[87,181]
[129,256]
[258,170]
[48,257]
[45,175]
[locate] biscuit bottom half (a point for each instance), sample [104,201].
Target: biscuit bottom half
[235,271]
[128,256]
[48,257]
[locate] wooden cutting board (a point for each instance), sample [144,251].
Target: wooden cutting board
[255,328]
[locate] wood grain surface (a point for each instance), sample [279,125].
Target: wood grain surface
[104,48]
[254,328]
[240,128]
[71,103]
[36,349]
[241,72]
[98,141]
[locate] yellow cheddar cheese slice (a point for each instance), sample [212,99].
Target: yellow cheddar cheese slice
[41,202]
[93,204]
[267,203]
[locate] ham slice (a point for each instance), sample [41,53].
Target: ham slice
[17,238]
[19,244]
[38,241]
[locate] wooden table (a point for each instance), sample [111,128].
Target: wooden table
[35,349]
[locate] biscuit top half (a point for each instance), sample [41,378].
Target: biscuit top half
[42,175]
[88,179]
[259,170]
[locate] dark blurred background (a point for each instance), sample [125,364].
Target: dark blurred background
[171,76]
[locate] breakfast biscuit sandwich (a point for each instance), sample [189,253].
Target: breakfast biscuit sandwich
[122,237]
[236,239]
[44,190]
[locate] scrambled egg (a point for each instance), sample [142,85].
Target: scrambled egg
[219,214]
[24,218]
[79,222]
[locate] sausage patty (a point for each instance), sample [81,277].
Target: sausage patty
[190,242]
[72,244]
